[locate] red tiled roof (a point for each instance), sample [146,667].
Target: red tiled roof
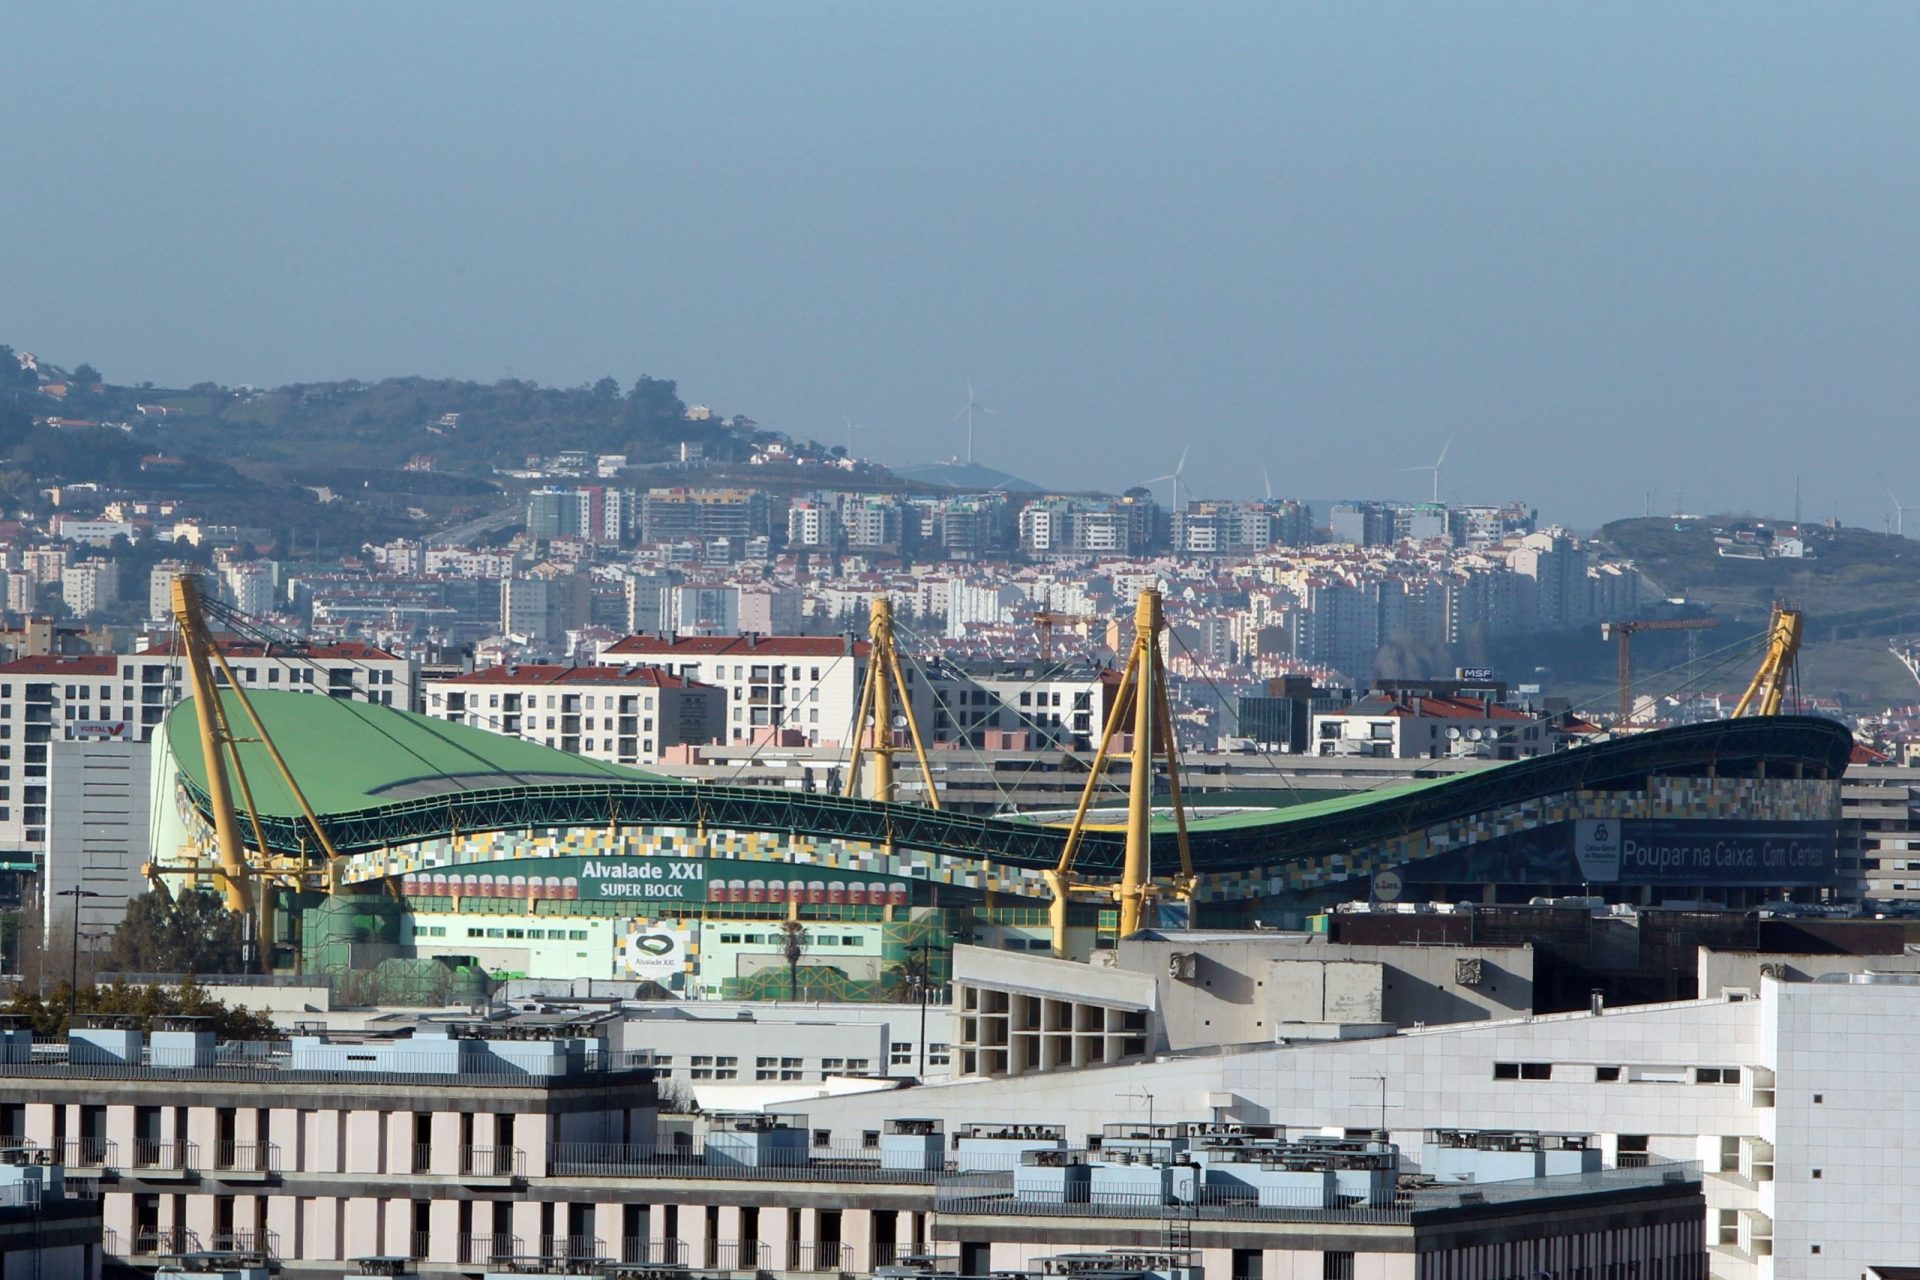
[1432,708]
[63,664]
[741,646]
[555,673]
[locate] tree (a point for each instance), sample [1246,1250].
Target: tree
[48,1016]
[13,373]
[793,944]
[190,934]
[606,389]
[86,377]
[653,401]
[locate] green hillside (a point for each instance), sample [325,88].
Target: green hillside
[1858,588]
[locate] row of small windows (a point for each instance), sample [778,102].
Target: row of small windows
[811,939]
[529,935]
[1614,1074]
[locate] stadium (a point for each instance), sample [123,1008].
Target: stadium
[462,851]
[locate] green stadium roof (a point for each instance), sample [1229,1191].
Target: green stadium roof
[350,755]
[380,777]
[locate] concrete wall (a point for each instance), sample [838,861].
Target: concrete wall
[1245,986]
[1740,970]
[97,836]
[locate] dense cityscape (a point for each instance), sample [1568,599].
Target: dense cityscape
[958,643]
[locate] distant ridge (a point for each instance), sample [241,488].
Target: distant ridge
[970,476]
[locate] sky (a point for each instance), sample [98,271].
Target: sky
[1620,256]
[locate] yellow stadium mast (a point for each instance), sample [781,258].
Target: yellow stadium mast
[1768,688]
[216,741]
[219,748]
[873,722]
[1145,677]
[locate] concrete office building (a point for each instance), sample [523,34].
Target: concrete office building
[466,1152]
[1785,1081]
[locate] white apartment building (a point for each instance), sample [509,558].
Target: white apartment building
[1404,727]
[345,669]
[54,699]
[624,715]
[812,523]
[808,685]
[160,580]
[90,587]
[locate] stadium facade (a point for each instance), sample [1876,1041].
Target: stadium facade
[456,842]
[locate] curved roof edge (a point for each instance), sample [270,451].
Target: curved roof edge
[366,817]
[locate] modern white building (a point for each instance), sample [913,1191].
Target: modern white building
[1407,726]
[625,715]
[90,587]
[55,702]
[807,685]
[1787,1083]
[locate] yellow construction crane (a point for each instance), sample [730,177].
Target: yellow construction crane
[1145,679]
[1769,685]
[1624,632]
[873,722]
[241,869]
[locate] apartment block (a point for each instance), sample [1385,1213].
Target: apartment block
[621,714]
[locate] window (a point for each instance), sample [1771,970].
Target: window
[1606,1075]
[870,1138]
[1336,1264]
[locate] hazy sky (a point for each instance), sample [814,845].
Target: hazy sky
[1606,248]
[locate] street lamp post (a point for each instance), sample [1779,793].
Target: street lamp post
[921,976]
[73,965]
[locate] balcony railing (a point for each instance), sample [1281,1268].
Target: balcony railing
[264,1243]
[247,1157]
[641,1252]
[170,1243]
[480,1250]
[171,1154]
[572,1248]
[812,1256]
[493,1162]
[735,1255]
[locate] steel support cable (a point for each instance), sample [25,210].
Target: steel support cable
[980,757]
[1050,673]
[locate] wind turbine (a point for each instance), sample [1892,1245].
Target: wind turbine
[1435,468]
[966,411]
[1899,516]
[1178,471]
[852,427]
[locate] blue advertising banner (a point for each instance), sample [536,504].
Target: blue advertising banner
[1676,852]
